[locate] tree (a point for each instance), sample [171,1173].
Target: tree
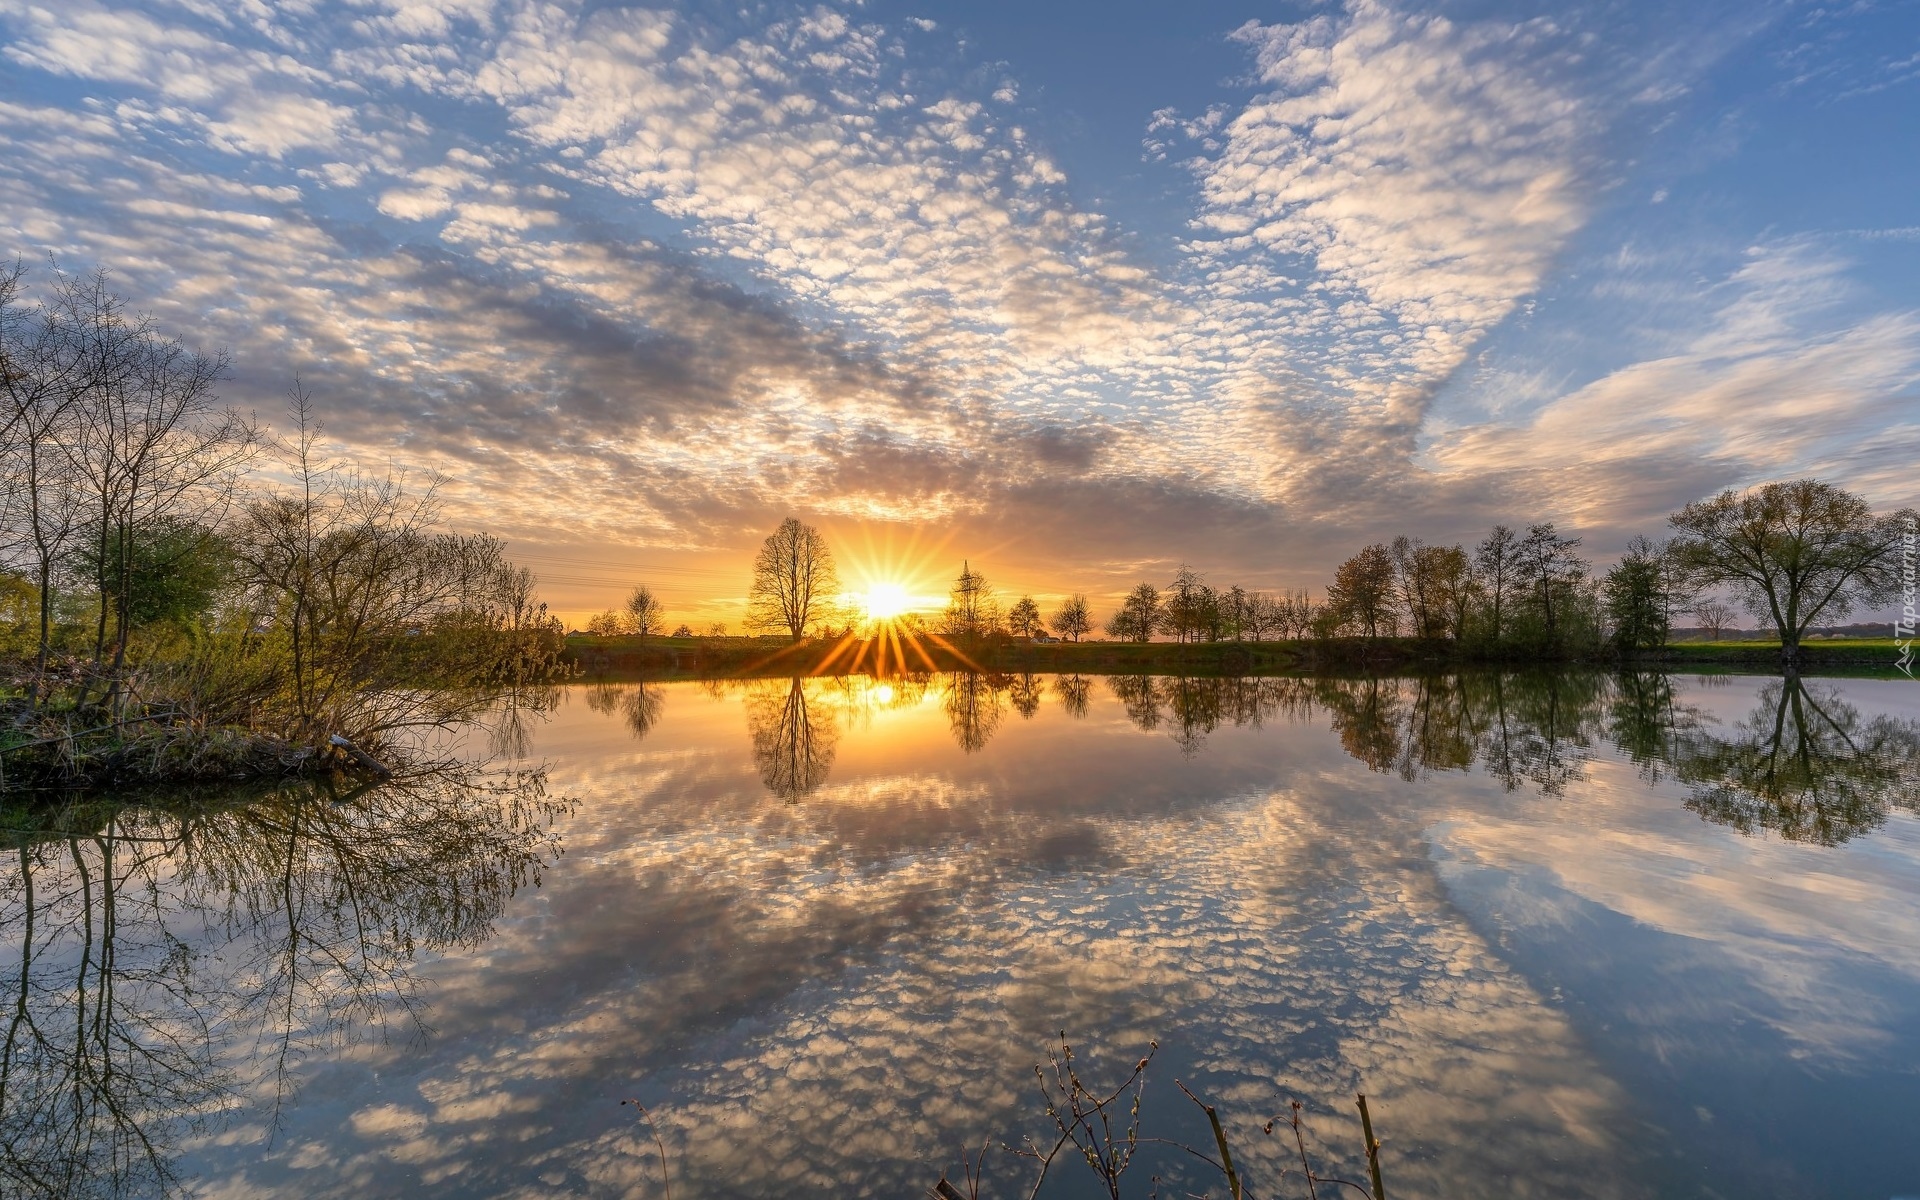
[1073,620]
[1264,617]
[1793,552]
[1362,592]
[1636,598]
[149,441]
[1495,565]
[1023,619]
[606,624]
[1456,590]
[972,611]
[1714,616]
[683,630]
[644,614]
[1433,584]
[717,629]
[374,621]
[179,570]
[1548,569]
[1138,617]
[1294,614]
[1189,608]
[794,581]
[1236,613]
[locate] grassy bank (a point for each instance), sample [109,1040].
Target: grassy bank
[1765,652]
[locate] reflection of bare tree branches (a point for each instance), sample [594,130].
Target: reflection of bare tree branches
[161,948]
[794,739]
[1073,692]
[1024,692]
[973,707]
[105,1051]
[509,729]
[638,704]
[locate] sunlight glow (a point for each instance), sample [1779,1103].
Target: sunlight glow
[885,601]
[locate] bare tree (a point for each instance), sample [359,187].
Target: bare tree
[644,614]
[1793,552]
[972,611]
[40,499]
[383,623]
[1263,617]
[1073,620]
[1294,613]
[1714,616]
[149,439]
[794,581]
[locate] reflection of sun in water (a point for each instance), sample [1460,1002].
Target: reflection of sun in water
[883,694]
[885,601]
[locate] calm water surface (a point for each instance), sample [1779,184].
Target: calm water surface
[1574,936]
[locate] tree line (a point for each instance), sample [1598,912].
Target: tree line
[1793,554]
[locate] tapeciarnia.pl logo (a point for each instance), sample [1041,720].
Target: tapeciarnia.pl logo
[1903,628]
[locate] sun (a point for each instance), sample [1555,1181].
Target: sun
[885,601]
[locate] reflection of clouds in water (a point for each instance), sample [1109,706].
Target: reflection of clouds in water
[831,997]
[1793,923]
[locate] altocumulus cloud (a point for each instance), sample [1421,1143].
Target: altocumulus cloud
[688,273]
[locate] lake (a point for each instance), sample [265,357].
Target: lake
[1572,934]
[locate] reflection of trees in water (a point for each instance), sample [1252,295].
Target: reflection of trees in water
[1190,708]
[510,730]
[794,737]
[1024,693]
[1803,764]
[1139,695]
[1367,716]
[164,952]
[1536,727]
[972,704]
[638,704]
[1073,692]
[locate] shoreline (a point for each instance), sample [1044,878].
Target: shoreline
[698,657]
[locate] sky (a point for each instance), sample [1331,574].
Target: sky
[1075,292]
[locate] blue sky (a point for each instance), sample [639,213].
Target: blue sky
[1080,290]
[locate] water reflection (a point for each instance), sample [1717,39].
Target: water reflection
[175,956]
[1073,692]
[1804,765]
[1302,886]
[794,736]
[638,704]
[973,706]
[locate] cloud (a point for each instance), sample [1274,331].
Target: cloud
[1783,377]
[694,271]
